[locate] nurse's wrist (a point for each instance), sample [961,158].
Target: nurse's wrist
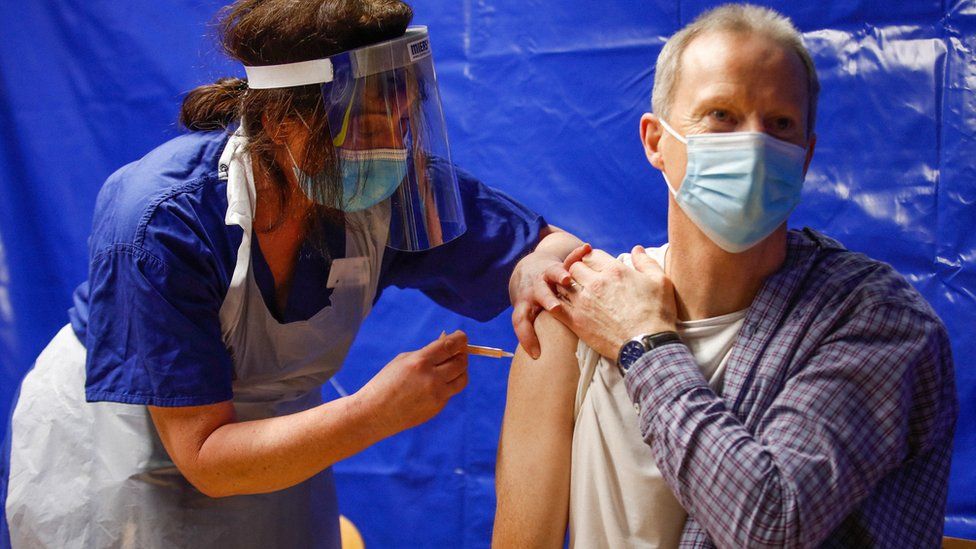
[369,411]
[554,246]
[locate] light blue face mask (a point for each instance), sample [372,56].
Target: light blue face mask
[368,177]
[739,187]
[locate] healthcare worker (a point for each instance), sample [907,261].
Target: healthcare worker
[230,271]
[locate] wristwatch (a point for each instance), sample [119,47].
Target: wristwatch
[636,347]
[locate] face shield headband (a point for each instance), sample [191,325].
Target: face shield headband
[387,128]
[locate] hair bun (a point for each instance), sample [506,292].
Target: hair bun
[213,106]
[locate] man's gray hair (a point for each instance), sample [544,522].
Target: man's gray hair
[745,18]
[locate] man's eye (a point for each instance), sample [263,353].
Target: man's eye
[783,124]
[720,115]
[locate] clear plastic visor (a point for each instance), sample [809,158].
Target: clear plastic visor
[389,137]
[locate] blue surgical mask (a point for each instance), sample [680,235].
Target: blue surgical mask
[368,177]
[739,187]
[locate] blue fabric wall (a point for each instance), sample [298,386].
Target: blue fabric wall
[542,100]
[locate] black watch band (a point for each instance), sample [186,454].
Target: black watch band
[638,346]
[661,338]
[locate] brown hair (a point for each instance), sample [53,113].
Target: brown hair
[272,32]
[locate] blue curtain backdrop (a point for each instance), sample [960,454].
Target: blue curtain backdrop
[542,100]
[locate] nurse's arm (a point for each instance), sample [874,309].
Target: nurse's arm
[223,457]
[533,470]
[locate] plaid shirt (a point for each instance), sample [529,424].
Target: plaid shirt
[835,424]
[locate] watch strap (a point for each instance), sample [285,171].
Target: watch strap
[653,341]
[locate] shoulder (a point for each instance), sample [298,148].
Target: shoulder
[883,319]
[131,195]
[873,314]
[654,252]
[173,192]
[855,279]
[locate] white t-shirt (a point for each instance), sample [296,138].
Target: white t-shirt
[617,495]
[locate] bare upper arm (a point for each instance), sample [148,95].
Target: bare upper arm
[534,453]
[546,387]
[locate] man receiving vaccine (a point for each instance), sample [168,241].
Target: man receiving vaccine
[742,385]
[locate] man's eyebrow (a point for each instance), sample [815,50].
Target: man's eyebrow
[712,101]
[722,100]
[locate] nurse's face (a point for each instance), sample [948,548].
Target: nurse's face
[380,116]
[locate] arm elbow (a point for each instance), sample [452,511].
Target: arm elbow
[212,492]
[773,521]
[205,483]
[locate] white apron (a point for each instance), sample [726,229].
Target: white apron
[93,475]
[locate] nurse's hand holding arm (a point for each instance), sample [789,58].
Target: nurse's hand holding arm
[222,457]
[532,282]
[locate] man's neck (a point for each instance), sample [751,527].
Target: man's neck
[709,281]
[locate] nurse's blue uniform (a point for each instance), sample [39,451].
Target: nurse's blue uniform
[178,310]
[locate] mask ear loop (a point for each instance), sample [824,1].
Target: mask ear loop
[293,161]
[667,253]
[301,173]
[302,120]
[667,127]
[301,177]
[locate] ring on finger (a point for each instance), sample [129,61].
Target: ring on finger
[562,294]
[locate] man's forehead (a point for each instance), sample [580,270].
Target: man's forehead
[741,52]
[741,59]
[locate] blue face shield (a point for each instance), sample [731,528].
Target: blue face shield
[739,187]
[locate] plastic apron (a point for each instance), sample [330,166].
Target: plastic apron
[96,474]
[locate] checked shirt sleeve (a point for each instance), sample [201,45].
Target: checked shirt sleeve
[864,401]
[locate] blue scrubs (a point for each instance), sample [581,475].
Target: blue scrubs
[162,259]
[169,351]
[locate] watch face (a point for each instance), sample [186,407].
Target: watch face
[630,352]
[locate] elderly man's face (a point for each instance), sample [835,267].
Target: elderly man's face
[731,82]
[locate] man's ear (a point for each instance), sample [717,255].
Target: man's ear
[650,135]
[810,146]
